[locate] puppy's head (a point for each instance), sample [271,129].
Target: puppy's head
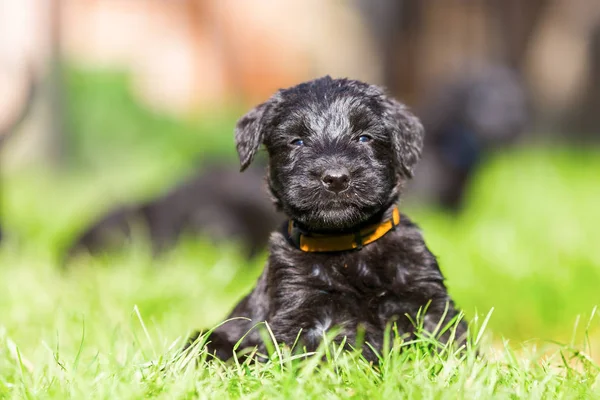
[339,150]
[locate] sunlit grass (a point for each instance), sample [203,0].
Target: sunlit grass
[116,332]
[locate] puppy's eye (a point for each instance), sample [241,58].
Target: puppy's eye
[297,142]
[364,138]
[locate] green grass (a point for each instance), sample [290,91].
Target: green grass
[523,252]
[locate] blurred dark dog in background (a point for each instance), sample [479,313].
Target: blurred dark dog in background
[466,119]
[219,203]
[340,154]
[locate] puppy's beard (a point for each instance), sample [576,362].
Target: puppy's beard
[340,217]
[321,211]
[332,218]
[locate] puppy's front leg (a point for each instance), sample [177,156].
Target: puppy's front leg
[238,328]
[217,344]
[301,315]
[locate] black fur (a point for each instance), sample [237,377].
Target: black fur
[385,281]
[218,203]
[466,119]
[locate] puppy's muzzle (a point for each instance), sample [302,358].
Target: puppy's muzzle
[336,179]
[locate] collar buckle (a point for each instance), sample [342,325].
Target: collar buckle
[294,233]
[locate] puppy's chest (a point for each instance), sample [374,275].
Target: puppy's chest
[348,291]
[357,279]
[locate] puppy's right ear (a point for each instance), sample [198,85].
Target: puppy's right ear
[249,133]
[407,135]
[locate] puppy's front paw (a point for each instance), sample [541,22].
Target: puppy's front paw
[215,344]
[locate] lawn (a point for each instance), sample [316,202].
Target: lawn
[521,260]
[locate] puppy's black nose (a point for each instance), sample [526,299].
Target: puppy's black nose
[335,180]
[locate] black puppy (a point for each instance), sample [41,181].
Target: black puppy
[467,119]
[218,203]
[340,152]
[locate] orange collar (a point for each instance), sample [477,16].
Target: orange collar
[316,243]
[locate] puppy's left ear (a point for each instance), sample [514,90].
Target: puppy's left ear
[407,135]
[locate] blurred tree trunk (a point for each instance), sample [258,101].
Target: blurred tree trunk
[515,22]
[584,121]
[55,93]
[42,137]
[9,124]
[43,99]
[395,27]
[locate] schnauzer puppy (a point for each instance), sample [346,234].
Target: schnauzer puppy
[340,152]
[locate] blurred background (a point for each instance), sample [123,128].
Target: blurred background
[116,131]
